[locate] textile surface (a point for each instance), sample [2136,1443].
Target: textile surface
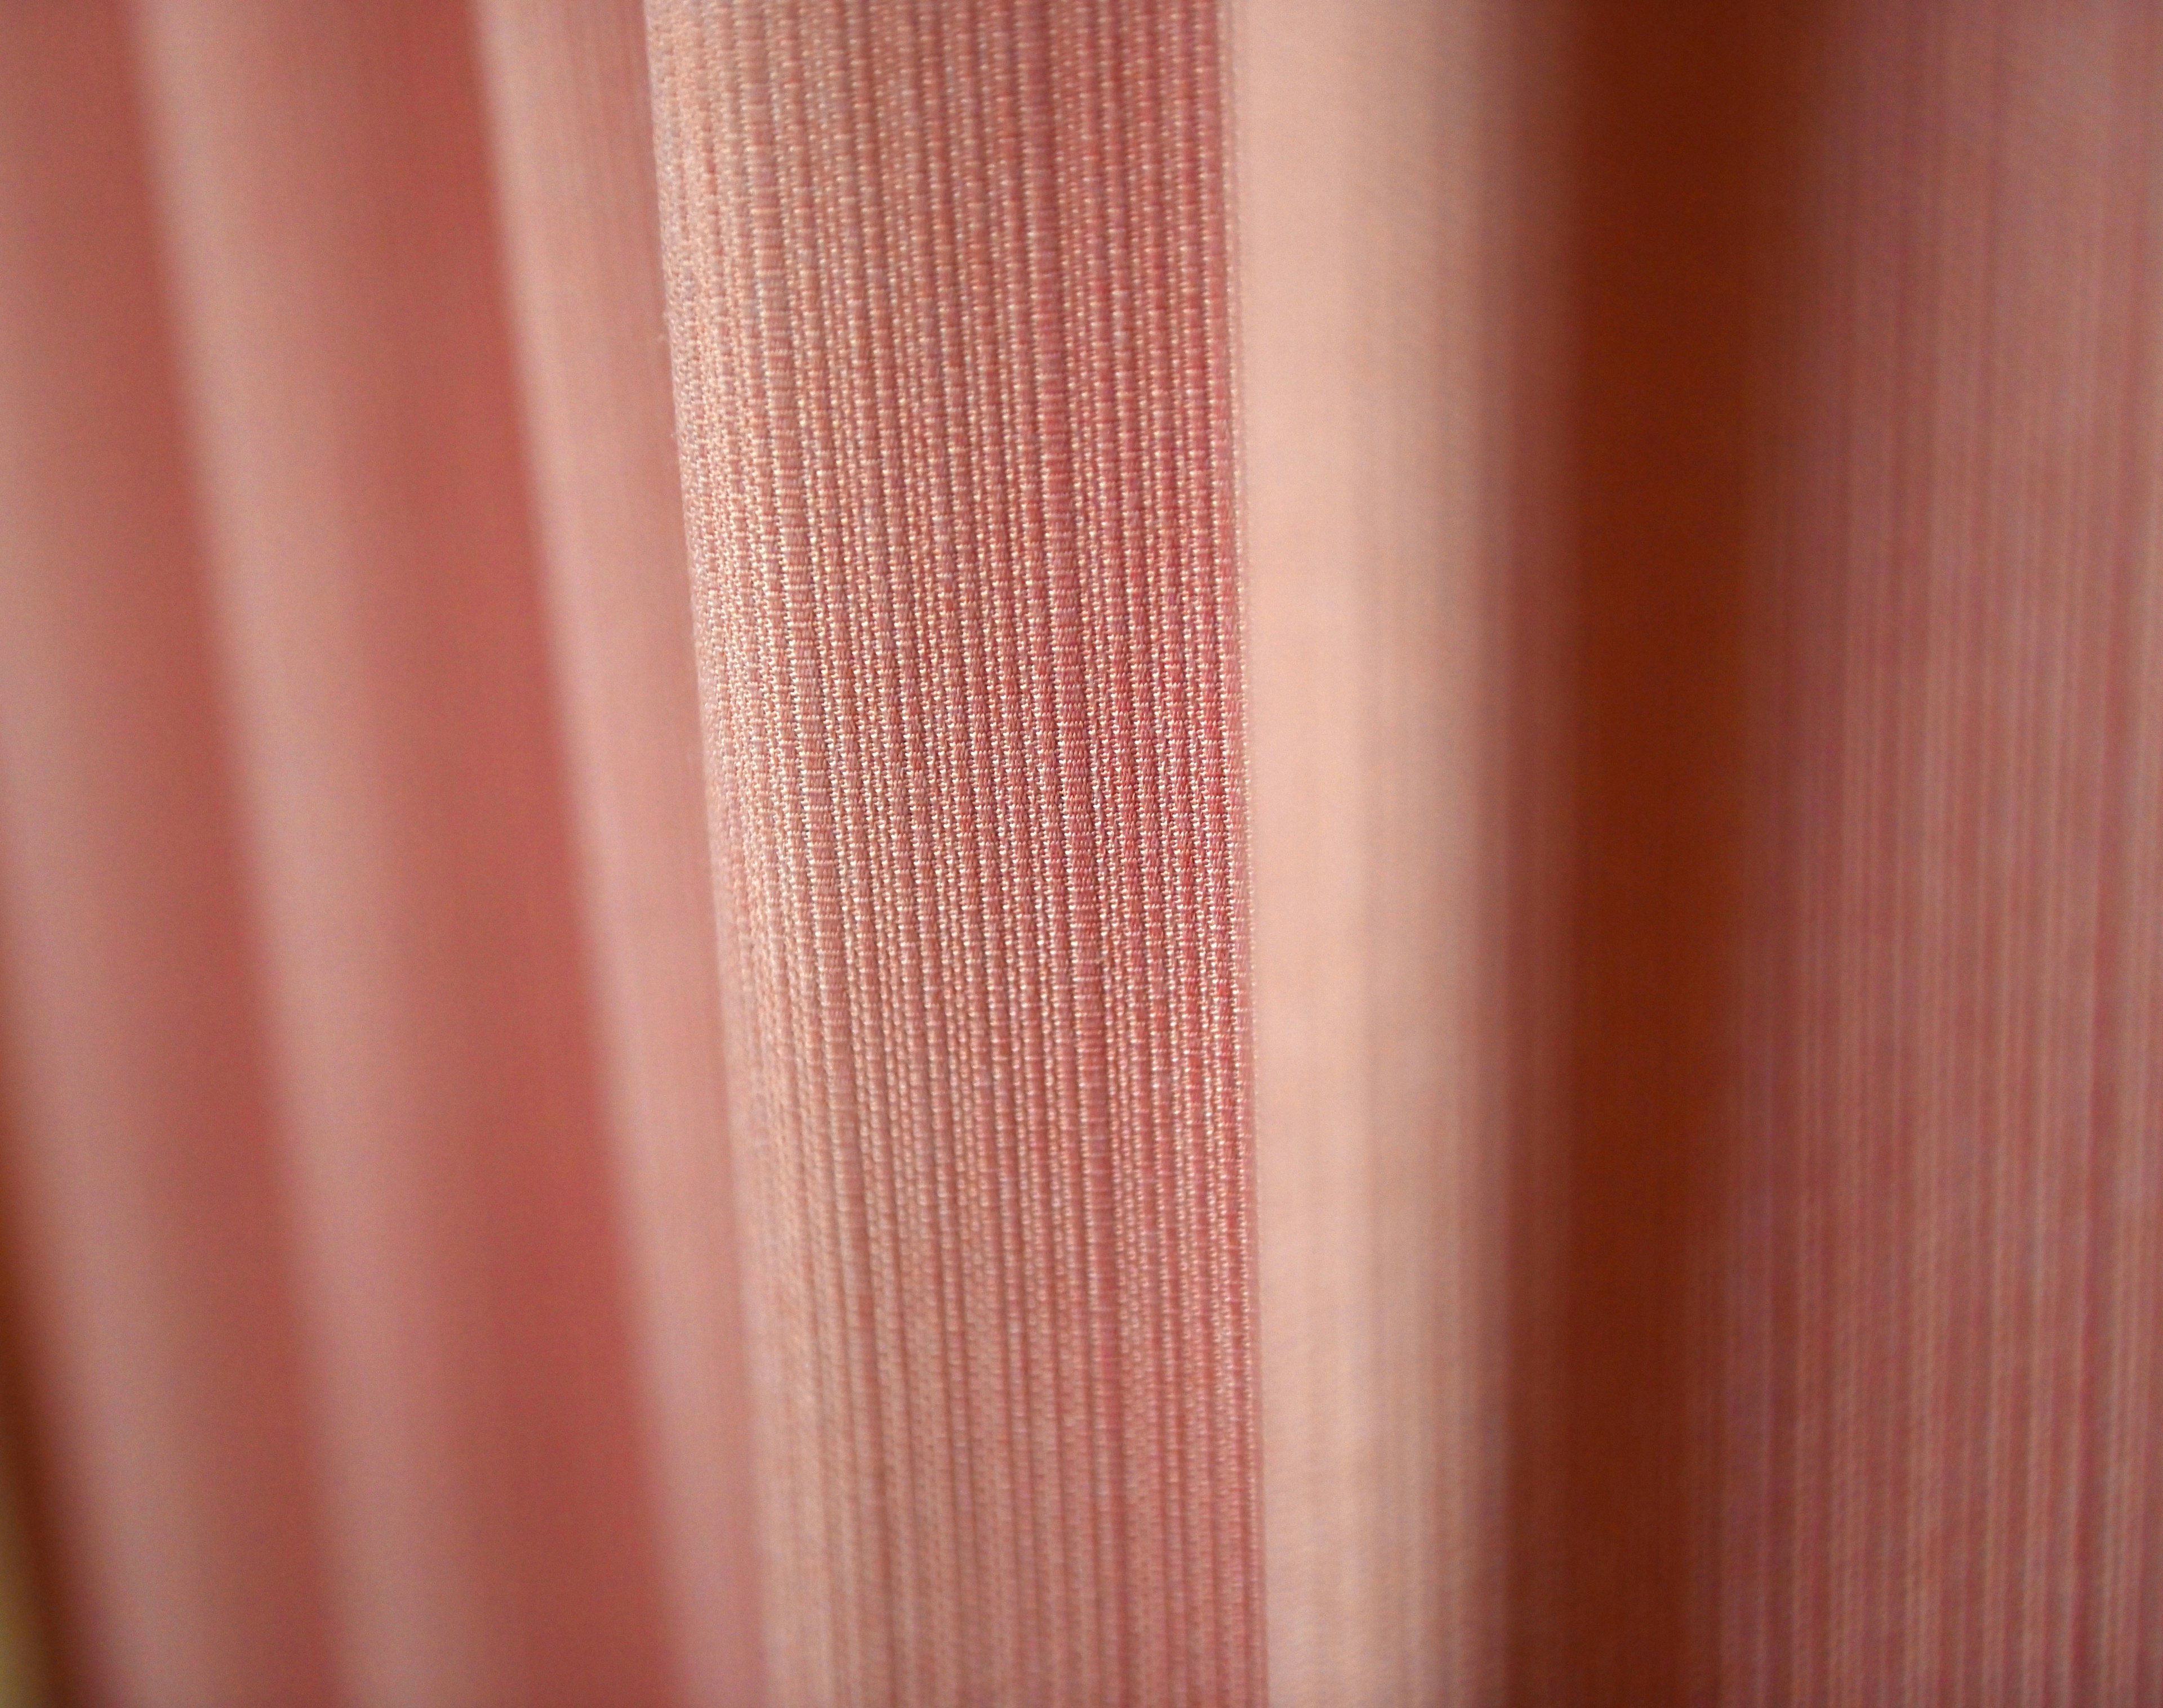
[1080,851]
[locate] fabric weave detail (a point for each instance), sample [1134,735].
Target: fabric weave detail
[948,298]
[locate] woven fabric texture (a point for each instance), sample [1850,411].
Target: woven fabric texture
[948,298]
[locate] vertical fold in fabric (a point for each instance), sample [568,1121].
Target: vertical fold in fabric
[948,303]
[1945,1331]
[148,1246]
[1371,143]
[571,128]
[323,191]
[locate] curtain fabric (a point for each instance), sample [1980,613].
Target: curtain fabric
[947,299]
[1080,851]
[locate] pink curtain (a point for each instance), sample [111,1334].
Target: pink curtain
[1080,851]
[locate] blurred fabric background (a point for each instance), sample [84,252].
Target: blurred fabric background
[1080,851]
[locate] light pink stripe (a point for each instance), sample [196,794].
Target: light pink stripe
[571,124]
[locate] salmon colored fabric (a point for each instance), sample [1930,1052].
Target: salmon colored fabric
[149,1227]
[1080,851]
[948,299]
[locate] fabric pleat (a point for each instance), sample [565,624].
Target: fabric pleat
[948,302]
[349,418]
[572,149]
[148,1243]
[1368,260]
[1946,1284]
[1701,574]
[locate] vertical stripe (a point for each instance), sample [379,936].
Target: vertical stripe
[1370,165]
[949,303]
[573,151]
